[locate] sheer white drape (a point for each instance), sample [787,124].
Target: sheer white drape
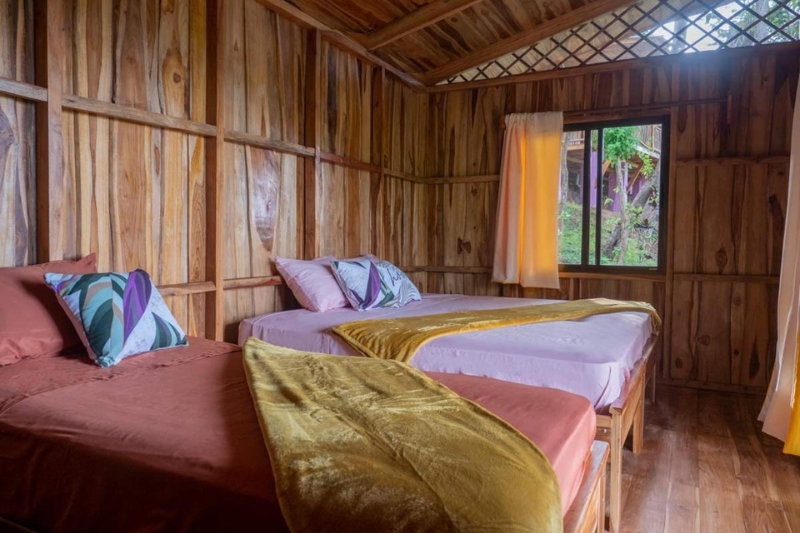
[777,410]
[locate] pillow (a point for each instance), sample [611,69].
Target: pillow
[118,314]
[369,284]
[32,323]
[360,282]
[312,283]
[397,283]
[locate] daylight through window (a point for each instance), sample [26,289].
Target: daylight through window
[612,195]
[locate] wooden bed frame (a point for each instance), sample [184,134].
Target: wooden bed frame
[586,515]
[624,415]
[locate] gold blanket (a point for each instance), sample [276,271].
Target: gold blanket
[360,445]
[401,338]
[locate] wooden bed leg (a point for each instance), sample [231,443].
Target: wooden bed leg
[615,485]
[638,427]
[601,511]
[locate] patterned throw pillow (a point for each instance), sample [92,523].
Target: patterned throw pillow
[396,282]
[369,285]
[118,314]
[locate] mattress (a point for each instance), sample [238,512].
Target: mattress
[169,441]
[592,357]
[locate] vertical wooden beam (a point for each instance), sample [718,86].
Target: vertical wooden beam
[313,128]
[669,288]
[48,22]
[215,176]
[378,156]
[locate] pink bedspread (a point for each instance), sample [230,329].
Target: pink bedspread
[169,441]
[591,357]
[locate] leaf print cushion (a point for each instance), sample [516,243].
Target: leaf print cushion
[396,282]
[369,284]
[120,314]
[360,282]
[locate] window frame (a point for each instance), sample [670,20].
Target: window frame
[663,208]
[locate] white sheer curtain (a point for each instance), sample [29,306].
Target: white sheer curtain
[526,244]
[778,406]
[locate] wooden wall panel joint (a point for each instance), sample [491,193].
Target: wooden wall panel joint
[48,50]
[186,289]
[349,162]
[249,283]
[732,161]
[215,169]
[283,147]
[726,278]
[313,132]
[19,89]
[136,116]
[403,176]
[441,180]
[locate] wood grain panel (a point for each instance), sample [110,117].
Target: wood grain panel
[722,333]
[445,39]
[17,186]
[346,104]
[728,231]
[263,72]
[132,193]
[729,219]
[139,53]
[406,128]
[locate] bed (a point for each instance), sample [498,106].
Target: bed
[603,358]
[169,441]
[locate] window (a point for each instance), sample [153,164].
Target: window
[618,221]
[651,28]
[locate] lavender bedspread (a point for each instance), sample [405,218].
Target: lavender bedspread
[592,357]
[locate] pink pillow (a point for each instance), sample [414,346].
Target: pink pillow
[312,283]
[32,322]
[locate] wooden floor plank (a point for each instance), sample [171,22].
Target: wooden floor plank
[706,467]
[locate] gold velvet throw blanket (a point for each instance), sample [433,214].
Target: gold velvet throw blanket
[361,445]
[401,338]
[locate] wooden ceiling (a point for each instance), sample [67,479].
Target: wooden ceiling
[432,40]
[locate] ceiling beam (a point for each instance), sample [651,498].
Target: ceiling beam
[542,31]
[418,19]
[287,10]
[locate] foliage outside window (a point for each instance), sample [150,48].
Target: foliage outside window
[626,203]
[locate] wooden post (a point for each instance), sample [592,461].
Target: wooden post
[215,148]
[48,20]
[313,126]
[378,155]
[669,288]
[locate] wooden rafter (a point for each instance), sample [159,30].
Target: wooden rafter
[284,8]
[418,19]
[539,32]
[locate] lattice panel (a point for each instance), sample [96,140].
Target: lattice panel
[652,28]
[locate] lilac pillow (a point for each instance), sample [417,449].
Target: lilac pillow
[312,283]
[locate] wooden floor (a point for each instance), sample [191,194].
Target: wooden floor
[707,468]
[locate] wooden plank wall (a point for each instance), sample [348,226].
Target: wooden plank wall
[134,193]
[199,139]
[17,158]
[194,135]
[718,296]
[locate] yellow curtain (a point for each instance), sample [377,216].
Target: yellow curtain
[792,445]
[526,244]
[781,411]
